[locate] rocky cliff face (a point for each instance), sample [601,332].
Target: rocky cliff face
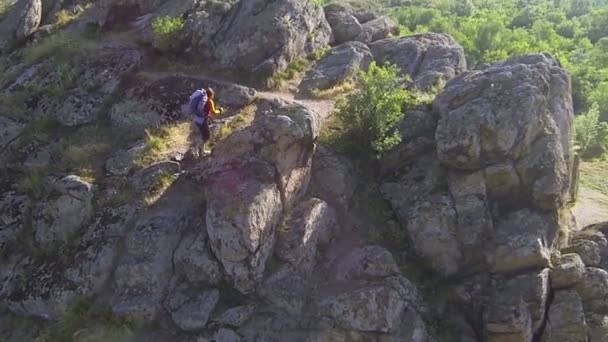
[260,241]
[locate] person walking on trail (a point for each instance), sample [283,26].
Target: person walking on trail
[202,104]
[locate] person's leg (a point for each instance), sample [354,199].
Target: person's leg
[206,135]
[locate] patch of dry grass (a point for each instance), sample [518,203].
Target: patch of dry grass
[343,88]
[594,175]
[162,142]
[241,120]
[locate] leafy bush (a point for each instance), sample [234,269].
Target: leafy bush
[591,134]
[166,32]
[372,113]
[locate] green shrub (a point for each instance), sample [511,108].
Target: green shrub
[372,113]
[590,134]
[166,32]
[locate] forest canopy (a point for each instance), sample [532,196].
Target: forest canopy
[574,31]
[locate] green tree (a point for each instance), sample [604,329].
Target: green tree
[591,134]
[166,32]
[371,115]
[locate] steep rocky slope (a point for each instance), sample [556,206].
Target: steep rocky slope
[103,200]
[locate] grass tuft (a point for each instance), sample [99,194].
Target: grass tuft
[160,142]
[343,88]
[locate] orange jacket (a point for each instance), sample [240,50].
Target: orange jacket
[210,108]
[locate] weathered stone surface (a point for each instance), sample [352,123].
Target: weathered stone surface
[251,177]
[97,80]
[311,223]
[593,289]
[534,289]
[287,289]
[236,316]
[597,326]
[341,63]
[429,58]
[369,262]
[243,210]
[344,25]
[507,320]
[282,133]
[567,271]
[21,21]
[417,139]
[588,251]
[57,219]
[521,239]
[332,178]
[192,314]
[99,244]
[144,270]
[566,320]
[432,227]
[474,222]
[147,179]
[226,335]
[376,29]
[502,181]
[477,129]
[48,288]
[10,131]
[194,259]
[123,161]
[261,38]
[368,309]
[13,210]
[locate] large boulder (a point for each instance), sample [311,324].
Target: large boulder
[311,223]
[195,261]
[243,210]
[191,311]
[593,289]
[21,21]
[144,269]
[521,241]
[250,179]
[344,25]
[588,251]
[566,319]
[48,288]
[332,178]
[57,220]
[432,227]
[479,126]
[341,62]
[368,309]
[379,28]
[430,59]
[261,38]
[567,271]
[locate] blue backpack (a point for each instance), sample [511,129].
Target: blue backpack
[197,103]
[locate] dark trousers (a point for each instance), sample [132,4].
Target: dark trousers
[204,128]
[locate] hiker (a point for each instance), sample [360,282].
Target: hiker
[202,104]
